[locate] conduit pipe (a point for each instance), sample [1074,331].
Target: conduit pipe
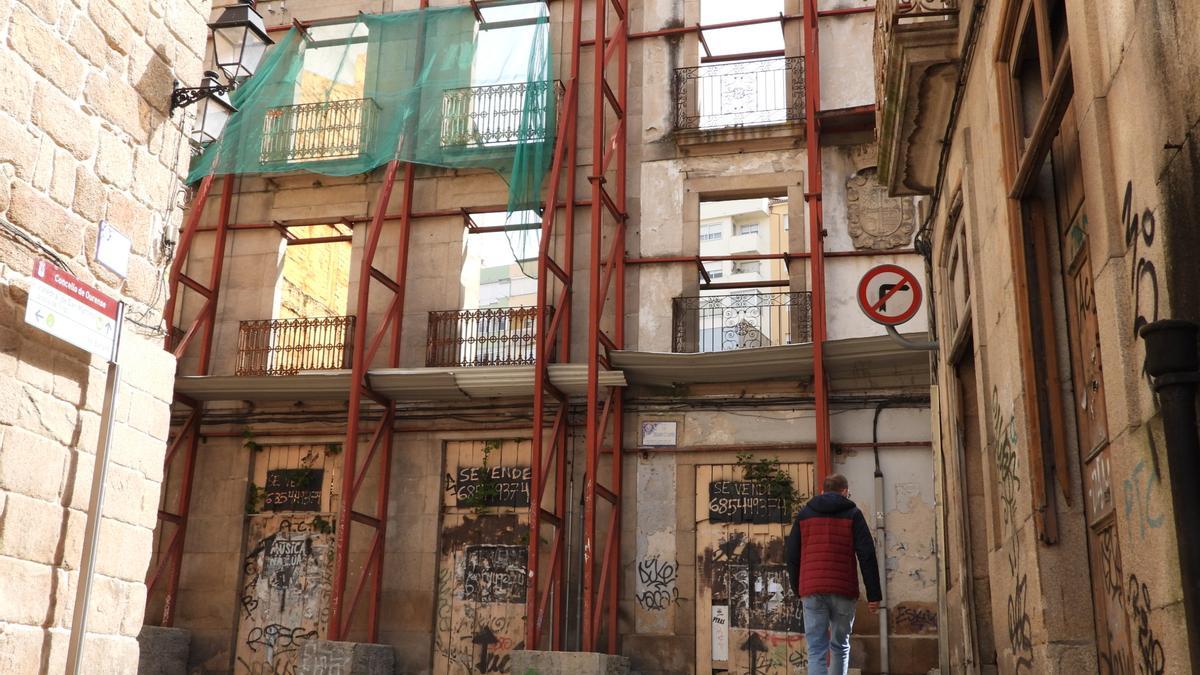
[1174,363]
[880,543]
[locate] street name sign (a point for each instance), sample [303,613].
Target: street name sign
[71,310]
[889,294]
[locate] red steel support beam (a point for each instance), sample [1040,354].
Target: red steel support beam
[341,612]
[604,408]
[188,437]
[816,229]
[546,584]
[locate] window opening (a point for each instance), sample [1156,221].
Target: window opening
[742,305]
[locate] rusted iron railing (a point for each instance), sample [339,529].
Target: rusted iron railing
[718,323]
[318,131]
[496,114]
[501,336]
[743,93]
[288,346]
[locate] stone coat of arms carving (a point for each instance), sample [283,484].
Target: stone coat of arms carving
[876,221]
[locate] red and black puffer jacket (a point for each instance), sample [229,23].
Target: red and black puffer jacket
[829,534]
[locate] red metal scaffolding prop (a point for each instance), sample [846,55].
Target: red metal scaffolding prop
[546,590]
[816,233]
[604,408]
[379,446]
[187,438]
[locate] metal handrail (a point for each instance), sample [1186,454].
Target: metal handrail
[717,323]
[499,336]
[289,346]
[741,93]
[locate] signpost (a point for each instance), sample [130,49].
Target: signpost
[890,295]
[71,310]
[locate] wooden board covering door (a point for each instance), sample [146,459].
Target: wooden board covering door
[483,556]
[748,621]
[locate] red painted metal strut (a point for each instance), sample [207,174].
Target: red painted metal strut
[816,230]
[378,448]
[602,564]
[546,590]
[187,439]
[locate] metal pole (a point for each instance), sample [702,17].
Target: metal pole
[1172,359]
[91,532]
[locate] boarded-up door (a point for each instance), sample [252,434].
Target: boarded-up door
[288,568]
[748,620]
[482,566]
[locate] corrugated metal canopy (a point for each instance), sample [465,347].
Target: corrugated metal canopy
[400,384]
[871,361]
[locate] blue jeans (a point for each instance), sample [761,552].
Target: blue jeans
[828,619]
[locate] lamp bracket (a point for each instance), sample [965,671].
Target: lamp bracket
[182,97]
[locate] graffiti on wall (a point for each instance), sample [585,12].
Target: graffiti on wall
[912,618]
[481,593]
[1020,631]
[1140,231]
[286,582]
[1139,488]
[1129,601]
[656,583]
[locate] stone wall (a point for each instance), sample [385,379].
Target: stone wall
[84,95]
[1133,117]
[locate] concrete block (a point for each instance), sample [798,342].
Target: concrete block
[164,651]
[326,657]
[545,663]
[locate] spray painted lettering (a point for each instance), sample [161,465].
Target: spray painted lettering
[656,589]
[1138,507]
[1020,633]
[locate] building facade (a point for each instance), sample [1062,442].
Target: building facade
[603,460]
[1054,145]
[86,136]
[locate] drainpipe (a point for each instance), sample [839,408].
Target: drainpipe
[880,544]
[1173,361]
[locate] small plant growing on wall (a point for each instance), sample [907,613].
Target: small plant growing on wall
[254,498]
[249,443]
[321,525]
[333,449]
[486,491]
[769,479]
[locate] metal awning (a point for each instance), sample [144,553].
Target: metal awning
[851,363]
[400,384]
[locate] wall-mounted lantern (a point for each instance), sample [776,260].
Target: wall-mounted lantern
[239,41]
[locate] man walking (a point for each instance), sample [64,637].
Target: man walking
[828,534]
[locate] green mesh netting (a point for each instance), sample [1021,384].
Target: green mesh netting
[427,87]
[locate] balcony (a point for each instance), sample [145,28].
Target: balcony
[739,94]
[500,336]
[318,131]
[916,68]
[719,323]
[492,115]
[289,346]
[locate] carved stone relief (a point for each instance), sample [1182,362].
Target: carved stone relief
[876,221]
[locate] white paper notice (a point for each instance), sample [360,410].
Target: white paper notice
[720,633]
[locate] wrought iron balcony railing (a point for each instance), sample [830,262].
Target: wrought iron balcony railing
[743,93]
[492,115]
[501,336]
[719,323]
[318,131]
[288,346]
[892,17]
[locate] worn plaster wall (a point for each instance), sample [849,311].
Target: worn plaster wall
[86,136]
[1134,75]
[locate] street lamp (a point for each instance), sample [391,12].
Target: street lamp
[239,41]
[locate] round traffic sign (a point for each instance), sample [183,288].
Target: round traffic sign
[889,294]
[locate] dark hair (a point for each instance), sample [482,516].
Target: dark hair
[836,482]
